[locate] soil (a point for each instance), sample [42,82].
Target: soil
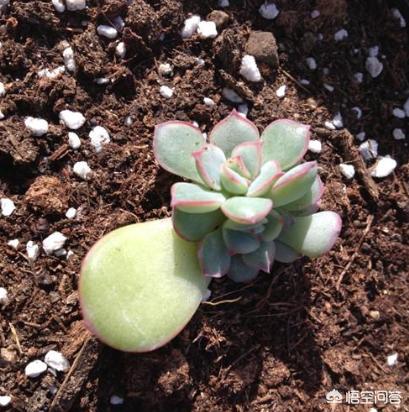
[279,343]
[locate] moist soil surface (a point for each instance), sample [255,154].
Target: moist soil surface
[279,343]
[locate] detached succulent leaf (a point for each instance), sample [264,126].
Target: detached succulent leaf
[209,160]
[313,235]
[262,258]
[273,227]
[269,173]
[293,184]
[240,271]
[239,242]
[195,226]
[140,285]
[191,198]
[173,145]
[232,131]
[232,182]
[213,256]
[285,141]
[310,198]
[247,210]
[285,253]
[252,155]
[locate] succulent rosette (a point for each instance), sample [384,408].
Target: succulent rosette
[252,199]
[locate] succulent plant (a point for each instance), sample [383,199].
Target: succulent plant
[252,199]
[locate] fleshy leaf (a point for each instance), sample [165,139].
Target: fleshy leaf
[252,155]
[269,173]
[209,160]
[237,164]
[213,256]
[273,227]
[293,184]
[239,241]
[285,141]
[191,198]
[240,272]
[311,197]
[262,258]
[140,285]
[247,210]
[313,235]
[284,253]
[251,228]
[232,181]
[195,226]
[309,210]
[232,131]
[173,145]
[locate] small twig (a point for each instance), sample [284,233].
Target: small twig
[300,85]
[15,336]
[70,372]
[356,252]
[221,302]
[242,356]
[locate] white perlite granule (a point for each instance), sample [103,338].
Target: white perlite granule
[53,242]
[207,29]
[74,5]
[249,69]
[268,11]
[231,95]
[82,170]
[373,66]
[35,368]
[74,141]
[190,26]
[7,207]
[99,137]
[37,126]
[347,170]
[72,120]
[107,31]
[56,360]
[166,91]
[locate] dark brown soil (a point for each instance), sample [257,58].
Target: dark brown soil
[277,344]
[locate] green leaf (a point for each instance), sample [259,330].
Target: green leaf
[209,160]
[213,256]
[269,173]
[195,226]
[313,235]
[273,227]
[247,210]
[255,228]
[262,258]
[311,197]
[293,184]
[240,272]
[140,285]
[239,241]
[232,182]
[173,145]
[252,155]
[237,164]
[284,253]
[191,198]
[232,131]
[285,141]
